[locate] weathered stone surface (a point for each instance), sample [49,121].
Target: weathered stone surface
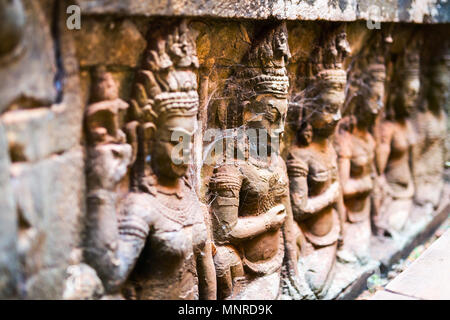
[348,279]
[336,10]
[83,283]
[35,134]
[31,134]
[386,295]
[50,204]
[47,284]
[428,277]
[29,74]
[422,225]
[8,225]
[72,99]
[112,42]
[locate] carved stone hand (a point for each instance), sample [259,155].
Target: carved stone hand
[276,217]
[108,165]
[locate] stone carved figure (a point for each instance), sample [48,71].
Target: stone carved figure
[355,147]
[312,162]
[158,242]
[108,156]
[394,137]
[430,123]
[250,207]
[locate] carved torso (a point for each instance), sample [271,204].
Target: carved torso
[428,156]
[262,187]
[431,130]
[320,167]
[358,147]
[362,155]
[398,173]
[167,267]
[258,188]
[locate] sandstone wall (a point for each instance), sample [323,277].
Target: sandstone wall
[46,84]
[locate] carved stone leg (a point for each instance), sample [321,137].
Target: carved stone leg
[357,241]
[318,268]
[397,211]
[229,269]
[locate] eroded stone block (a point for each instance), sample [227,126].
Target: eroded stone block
[29,70]
[114,42]
[9,266]
[50,205]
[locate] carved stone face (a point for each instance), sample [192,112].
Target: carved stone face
[439,93]
[281,44]
[267,112]
[305,134]
[106,88]
[110,165]
[374,102]
[410,93]
[331,100]
[370,105]
[172,146]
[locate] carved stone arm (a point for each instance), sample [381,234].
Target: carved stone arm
[357,186]
[290,243]
[226,185]
[298,188]
[132,235]
[119,244]
[320,202]
[207,273]
[233,228]
[383,135]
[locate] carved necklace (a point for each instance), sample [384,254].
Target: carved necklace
[177,210]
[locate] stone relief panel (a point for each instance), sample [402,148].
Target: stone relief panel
[150,158]
[267,242]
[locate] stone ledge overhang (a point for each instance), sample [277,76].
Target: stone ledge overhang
[413,11]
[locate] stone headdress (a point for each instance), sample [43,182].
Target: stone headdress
[436,55]
[373,62]
[327,59]
[167,84]
[409,63]
[321,70]
[366,69]
[263,71]
[435,63]
[406,67]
